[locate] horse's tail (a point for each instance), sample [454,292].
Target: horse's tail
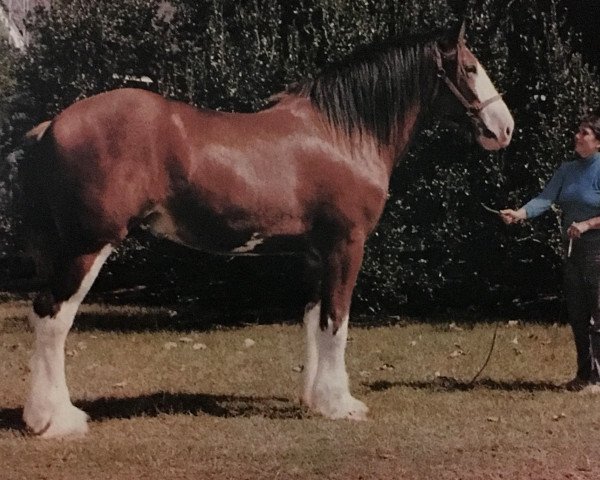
[40,233]
[37,133]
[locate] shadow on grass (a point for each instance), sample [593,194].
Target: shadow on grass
[10,419]
[449,384]
[191,404]
[160,403]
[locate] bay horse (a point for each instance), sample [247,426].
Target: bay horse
[307,175]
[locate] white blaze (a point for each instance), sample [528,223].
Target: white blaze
[496,116]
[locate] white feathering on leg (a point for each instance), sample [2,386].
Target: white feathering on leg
[331,394]
[48,410]
[311,327]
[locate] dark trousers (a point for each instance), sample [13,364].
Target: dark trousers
[581,276]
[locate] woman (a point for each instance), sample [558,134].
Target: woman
[575,187]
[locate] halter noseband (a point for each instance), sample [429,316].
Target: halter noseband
[473,109]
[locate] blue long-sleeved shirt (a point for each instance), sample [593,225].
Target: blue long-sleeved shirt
[575,187]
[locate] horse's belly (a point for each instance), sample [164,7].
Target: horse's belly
[210,233]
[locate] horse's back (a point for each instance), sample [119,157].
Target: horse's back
[107,120]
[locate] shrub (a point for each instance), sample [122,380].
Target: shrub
[436,247]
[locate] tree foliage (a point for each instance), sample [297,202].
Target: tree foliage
[436,247]
[8,120]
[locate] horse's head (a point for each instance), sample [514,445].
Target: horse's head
[468,91]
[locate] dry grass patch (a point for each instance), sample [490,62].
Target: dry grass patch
[208,403]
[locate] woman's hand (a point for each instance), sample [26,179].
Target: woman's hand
[576,229]
[513,216]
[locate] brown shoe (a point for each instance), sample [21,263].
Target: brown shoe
[576,385]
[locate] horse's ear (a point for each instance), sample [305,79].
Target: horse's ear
[461,33]
[453,38]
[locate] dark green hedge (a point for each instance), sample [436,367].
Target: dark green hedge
[436,247]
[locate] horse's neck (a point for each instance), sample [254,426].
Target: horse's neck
[401,136]
[360,147]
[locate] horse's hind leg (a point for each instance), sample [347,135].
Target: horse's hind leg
[48,410]
[326,386]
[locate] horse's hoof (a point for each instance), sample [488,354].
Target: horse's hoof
[36,420]
[344,407]
[67,421]
[358,410]
[306,401]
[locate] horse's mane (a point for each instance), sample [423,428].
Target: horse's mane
[372,88]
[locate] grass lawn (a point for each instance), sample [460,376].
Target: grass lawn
[206,403]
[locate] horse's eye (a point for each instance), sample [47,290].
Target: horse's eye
[471,68]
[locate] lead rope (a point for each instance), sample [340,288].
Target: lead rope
[499,158]
[470,384]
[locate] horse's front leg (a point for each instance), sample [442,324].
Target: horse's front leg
[326,381]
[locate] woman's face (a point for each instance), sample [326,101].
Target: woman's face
[586,142]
